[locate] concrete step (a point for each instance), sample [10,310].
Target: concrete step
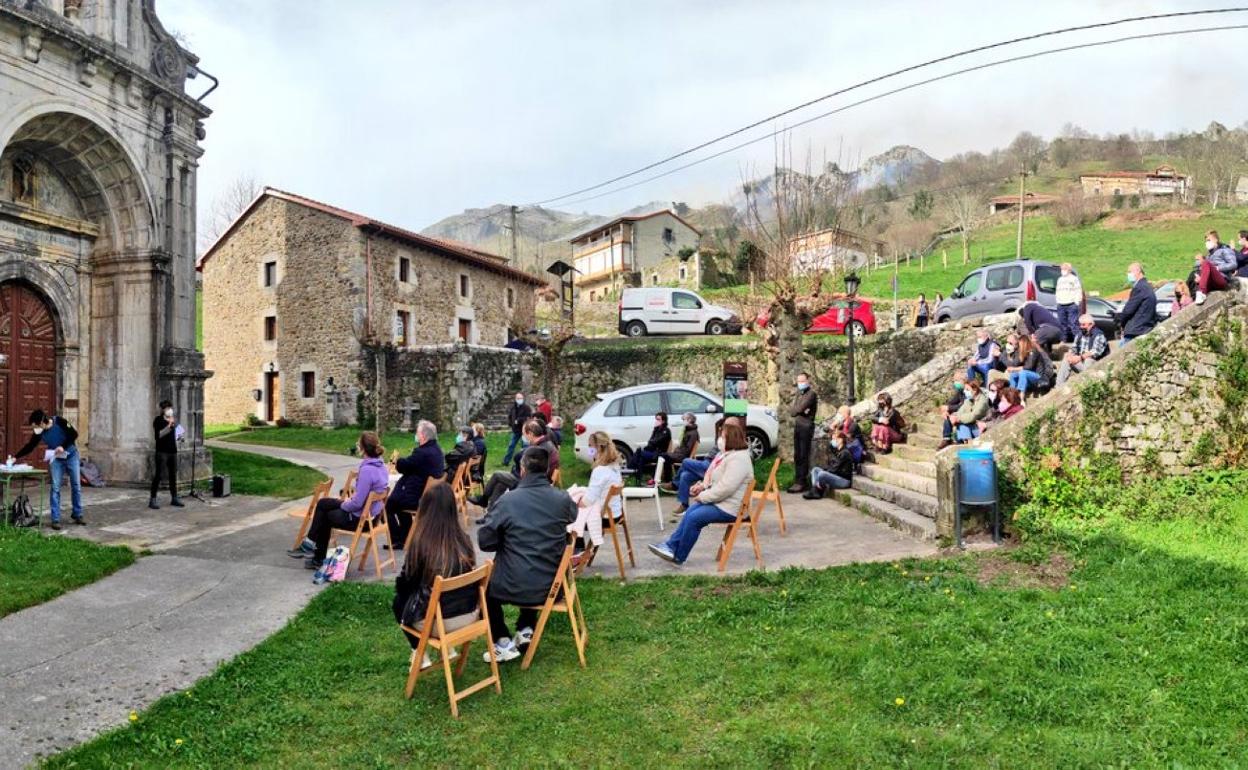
[895,462]
[911,452]
[906,498]
[925,485]
[921,440]
[893,515]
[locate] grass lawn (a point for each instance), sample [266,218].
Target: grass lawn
[253,474]
[35,568]
[340,440]
[1123,648]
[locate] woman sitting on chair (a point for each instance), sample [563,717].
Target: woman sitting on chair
[331,513]
[716,498]
[605,461]
[440,547]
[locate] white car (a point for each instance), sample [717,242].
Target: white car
[627,416]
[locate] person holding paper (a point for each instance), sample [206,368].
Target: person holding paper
[167,433]
[59,437]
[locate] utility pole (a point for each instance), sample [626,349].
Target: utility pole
[514,210]
[1022,196]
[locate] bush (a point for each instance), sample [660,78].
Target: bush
[253,421]
[1074,210]
[1116,202]
[282,422]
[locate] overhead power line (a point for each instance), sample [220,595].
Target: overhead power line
[893,92]
[889,75]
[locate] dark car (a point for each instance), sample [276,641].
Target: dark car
[1102,312]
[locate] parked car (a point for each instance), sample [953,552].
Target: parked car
[1165,298]
[627,415]
[1102,312]
[1002,287]
[833,320]
[672,311]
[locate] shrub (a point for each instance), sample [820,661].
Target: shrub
[253,421]
[282,422]
[1074,210]
[1116,202]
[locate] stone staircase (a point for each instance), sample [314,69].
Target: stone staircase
[900,488]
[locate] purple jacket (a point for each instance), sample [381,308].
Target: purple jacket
[374,477]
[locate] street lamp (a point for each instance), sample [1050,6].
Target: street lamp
[851,289]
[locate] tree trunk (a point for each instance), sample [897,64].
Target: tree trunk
[379,390]
[966,247]
[786,351]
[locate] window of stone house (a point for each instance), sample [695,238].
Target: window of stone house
[654,279]
[405,270]
[270,328]
[270,274]
[668,235]
[307,384]
[684,273]
[511,298]
[402,324]
[465,286]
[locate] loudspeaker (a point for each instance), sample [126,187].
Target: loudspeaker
[221,485]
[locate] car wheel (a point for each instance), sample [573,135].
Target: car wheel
[944,319]
[715,327]
[856,328]
[756,440]
[626,454]
[635,329]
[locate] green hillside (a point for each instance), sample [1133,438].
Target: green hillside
[1100,251]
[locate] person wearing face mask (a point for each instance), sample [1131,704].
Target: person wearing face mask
[838,474]
[950,407]
[331,513]
[887,425]
[985,358]
[689,440]
[660,441]
[1009,403]
[166,430]
[517,415]
[843,422]
[1214,267]
[803,413]
[690,472]
[973,409]
[534,436]
[463,451]
[1089,346]
[61,438]
[1035,369]
[1069,297]
[424,463]
[1139,316]
[604,461]
[716,499]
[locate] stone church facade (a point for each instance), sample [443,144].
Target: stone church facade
[99,146]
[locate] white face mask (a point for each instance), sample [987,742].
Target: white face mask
[519,400]
[1211,244]
[1004,407]
[36,430]
[592,452]
[721,444]
[168,413]
[1065,272]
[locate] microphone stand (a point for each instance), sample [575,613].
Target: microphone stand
[194,493]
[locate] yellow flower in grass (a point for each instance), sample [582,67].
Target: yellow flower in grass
[899,702]
[134,716]
[178,742]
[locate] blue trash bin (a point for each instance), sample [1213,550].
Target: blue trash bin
[978,477]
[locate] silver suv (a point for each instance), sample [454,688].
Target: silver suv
[1001,287]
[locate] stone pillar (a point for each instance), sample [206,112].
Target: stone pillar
[182,376]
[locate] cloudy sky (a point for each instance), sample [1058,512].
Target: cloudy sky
[410,111]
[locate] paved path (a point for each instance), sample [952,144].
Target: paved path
[219,582]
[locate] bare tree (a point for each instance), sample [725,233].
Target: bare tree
[233,199]
[1028,150]
[964,201]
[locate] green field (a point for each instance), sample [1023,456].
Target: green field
[35,567]
[253,474]
[1120,648]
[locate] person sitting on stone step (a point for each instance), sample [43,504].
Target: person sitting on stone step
[1090,345]
[950,407]
[1010,403]
[843,422]
[973,409]
[1034,371]
[838,475]
[887,426]
[985,358]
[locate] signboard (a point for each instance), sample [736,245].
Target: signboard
[736,389]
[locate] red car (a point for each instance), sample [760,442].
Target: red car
[832,320]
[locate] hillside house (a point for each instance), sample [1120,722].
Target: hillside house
[293,286]
[834,248]
[1006,202]
[1161,181]
[635,251]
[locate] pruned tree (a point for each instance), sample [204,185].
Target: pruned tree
[233,199]
[963,203]
[1027,151]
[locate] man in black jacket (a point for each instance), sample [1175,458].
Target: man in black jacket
[527,531]
[803,414]
[502,481]
[517,415]
[1139,315]
[424,463]
[165,427]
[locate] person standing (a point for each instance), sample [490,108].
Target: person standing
[517,415]
[61,439]
[544,407]
[1069,296]
[803,413]
[921,313]
[166,429]
[1139,316]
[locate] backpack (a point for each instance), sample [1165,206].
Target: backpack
[334,570]
[90,473]
[21,513]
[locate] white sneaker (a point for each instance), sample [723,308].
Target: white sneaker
[524,637]
[504,650]
[425,662]
[1200,298]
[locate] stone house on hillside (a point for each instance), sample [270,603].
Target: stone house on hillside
[834,249]
[293,286]
[99,151]
[640,250]
[1163,180]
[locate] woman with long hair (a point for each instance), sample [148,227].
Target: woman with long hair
[440,547]
[604,460]
[332,513]
[887,425]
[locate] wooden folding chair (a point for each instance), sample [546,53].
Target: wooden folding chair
[745,518]
[614,528]
[431,482]
[460,638]
[563,597]
[394,458]
[348,486]
[319,492]
[771,493]
[556,478]
[473,465]
[459,488]
[369,529]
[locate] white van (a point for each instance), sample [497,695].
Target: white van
[673,311]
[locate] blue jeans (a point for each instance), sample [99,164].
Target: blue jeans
[967,432]
[690,473]
[511,449]
[57,470]
[1023,379]
[641,458]
[979,369]
[1068,319]
[686,535]
[823,480]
